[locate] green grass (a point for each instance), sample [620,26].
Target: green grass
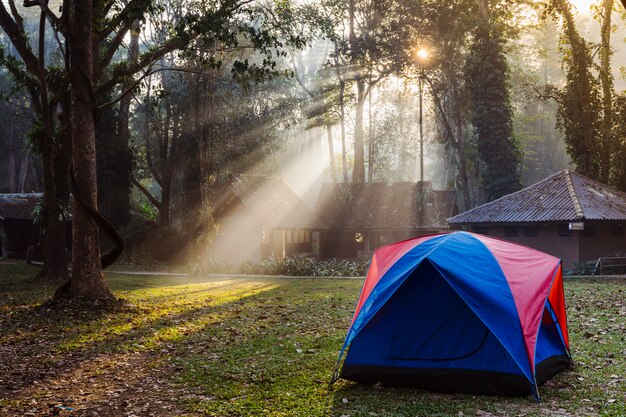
[255,346]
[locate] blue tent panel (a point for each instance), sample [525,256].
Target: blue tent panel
[436,331]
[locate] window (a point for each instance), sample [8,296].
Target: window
[617,230]
[287,236]
[588,231]
[301,236]
[564,230]
[483,230]
[510,231]
[530,231]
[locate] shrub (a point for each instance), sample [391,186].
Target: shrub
[296,265]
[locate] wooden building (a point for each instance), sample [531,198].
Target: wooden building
[258,217]
[17,229]
[566,215]
[354,219]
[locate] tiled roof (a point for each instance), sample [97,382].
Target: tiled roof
[564,196]
[18,206]
[269,199]
[383,206]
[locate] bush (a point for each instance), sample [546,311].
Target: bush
[581,269]
[297,265]
[149,244]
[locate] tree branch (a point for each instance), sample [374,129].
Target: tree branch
[143,61]
[19,39]
[112,48]
[299,80]
[133,10]
[16,15]
[54,20]
[156,203]
[444,118]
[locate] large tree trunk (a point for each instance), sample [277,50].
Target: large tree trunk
[54,227]
[55,184]
[87,276]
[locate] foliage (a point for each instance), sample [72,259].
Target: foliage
[297,265]
[619,158]
[534,121]
[148,211]
[581,269]
[114,168]
[17,165]
[39,212]
[486,74]
[252,346]
[579,101]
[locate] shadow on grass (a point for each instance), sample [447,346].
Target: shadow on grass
[38,342]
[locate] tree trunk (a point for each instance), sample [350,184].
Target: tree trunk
[331,153]
[606,81]
[464,177]
[358,171]
[120,158]
[342,108]
[87,276]
[166,193]
[12,171]
[24,166]
[403,158]
[54,226]
[370,137]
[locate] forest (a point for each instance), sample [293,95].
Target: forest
[143,110]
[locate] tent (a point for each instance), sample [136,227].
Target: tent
[459,312]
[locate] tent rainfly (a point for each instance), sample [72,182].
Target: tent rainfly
[459,312]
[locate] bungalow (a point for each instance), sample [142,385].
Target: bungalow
[354,219]
[566,215]
[259,217]
[17,231]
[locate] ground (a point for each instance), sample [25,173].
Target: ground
[255,346]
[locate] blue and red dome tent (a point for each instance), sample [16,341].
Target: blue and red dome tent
[459,312]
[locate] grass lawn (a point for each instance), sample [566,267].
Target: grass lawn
[256,347]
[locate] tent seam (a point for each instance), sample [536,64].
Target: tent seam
[490,330]
[445,237]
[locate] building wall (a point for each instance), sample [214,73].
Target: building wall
[602,239]
[547,240]
[2,242]
[19,234]
[360,244]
